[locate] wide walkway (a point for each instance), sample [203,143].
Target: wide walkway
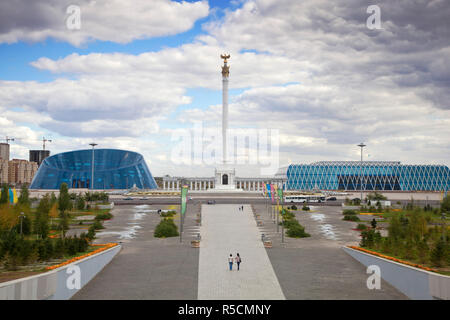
[225,229]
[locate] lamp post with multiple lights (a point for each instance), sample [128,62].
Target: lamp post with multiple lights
[361,145]
[93,144]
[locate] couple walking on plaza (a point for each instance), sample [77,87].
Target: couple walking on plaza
[237,260]
[241,208]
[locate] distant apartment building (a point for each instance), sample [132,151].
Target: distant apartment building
[21,171]
[4,158]
[3,171]
[38,156]
[4,151]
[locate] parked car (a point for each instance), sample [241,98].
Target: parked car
[331,199]
[211,201]
[128,198]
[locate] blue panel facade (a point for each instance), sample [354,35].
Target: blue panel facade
[113,169]
[371,175]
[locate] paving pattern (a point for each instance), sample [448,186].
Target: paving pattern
[225,229]
[317,267]
[146,267]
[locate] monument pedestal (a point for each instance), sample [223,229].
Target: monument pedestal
[225,179]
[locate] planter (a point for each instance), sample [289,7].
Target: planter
[195,243]
[268,244]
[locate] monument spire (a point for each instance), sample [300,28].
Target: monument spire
[225,74]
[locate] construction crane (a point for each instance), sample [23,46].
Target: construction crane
[8,139]
[44,141]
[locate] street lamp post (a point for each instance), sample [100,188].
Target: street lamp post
[93,144]
[361,145]
[22,216]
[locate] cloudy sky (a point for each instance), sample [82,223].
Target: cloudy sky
[136,74]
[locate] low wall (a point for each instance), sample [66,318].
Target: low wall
[53,285]
[415,283]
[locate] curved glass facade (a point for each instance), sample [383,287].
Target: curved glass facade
[371,175]
[113,169]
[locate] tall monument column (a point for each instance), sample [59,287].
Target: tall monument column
[224,176]
[225,75]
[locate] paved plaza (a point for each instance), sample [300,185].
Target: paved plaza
[147,268]
[317,267]
[308,268]
[225,229]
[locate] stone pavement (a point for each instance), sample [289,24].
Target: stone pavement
[227,230]
[317,267]
[147,267]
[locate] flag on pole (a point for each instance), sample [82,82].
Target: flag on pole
[184,191]
[15,199]
[268,190]
[275,187]
[272,193]
[280,194]
[11,196]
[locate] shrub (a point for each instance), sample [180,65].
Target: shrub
[373,223]
[58,251]
[290,222]
[361,226]
[166,228]
[288,215]
[438,254]
[103,216]
[168,214]
[98,225]
[294,207]
[297,231]
[91,233]
[305,207]
[348,212]
[351,218]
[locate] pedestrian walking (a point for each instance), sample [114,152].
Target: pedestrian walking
[238,260]
[230,261]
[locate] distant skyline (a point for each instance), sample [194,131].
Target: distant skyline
[138,72]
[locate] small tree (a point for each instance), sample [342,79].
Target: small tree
[422,251]
[24,198]
[4,199]
[80,204]
[41,217]
[438,254]
[373,223]
[445,205]
[64,199]
[53,213]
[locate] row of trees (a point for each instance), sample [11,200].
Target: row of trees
[15,251]
[410,237]
[24,232]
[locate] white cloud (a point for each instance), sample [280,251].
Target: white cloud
[388,88]
[100,20]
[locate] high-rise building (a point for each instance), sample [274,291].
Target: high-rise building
[39,155]
[3,171]
[4,151]
[21,171]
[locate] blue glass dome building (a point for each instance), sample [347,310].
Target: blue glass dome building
[113,169]
[371,175]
